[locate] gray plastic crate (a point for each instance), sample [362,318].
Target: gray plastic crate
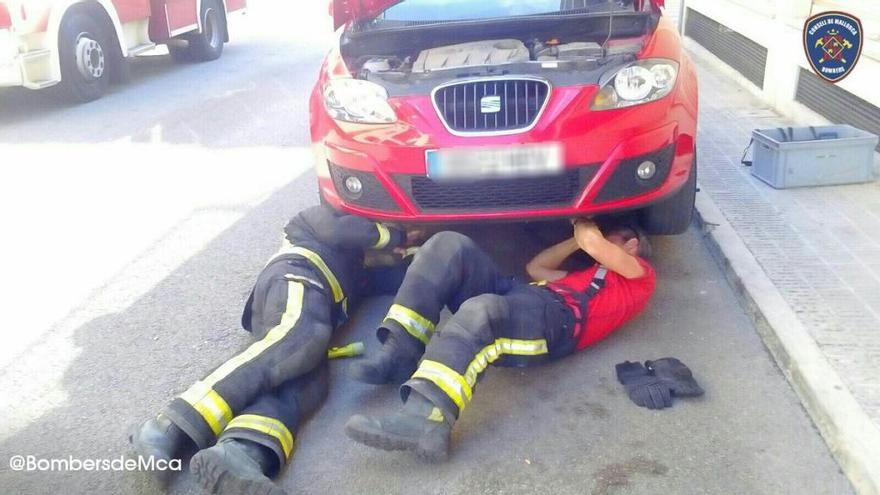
[813,156]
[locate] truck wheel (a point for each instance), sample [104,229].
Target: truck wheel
[208,45]
[673,215]
[86,58]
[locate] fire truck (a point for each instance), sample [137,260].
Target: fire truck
[83,45]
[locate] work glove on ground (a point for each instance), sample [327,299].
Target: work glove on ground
[680,378]
[654,384]
[627,371]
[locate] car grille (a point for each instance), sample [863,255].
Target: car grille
[491,105]
[497,194]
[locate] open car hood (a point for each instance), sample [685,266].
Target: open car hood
[345,11]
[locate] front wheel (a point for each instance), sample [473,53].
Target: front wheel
[673,215]
[84,49]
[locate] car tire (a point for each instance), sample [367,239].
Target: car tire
[86,56]
[673,215]
[208,44]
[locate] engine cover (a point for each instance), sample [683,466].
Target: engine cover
[490,52]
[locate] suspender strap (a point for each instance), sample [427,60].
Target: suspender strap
[597,283]
[584,298]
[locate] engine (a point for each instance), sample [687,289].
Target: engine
[489,53]
[492,52]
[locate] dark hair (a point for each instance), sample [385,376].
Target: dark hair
[629,232]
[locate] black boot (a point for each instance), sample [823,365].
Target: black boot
[395,362]
[419,427]
[160,439]
[236,467]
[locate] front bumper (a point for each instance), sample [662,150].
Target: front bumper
[602,152]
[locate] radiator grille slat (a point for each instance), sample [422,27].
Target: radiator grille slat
[497,194]
[462,110]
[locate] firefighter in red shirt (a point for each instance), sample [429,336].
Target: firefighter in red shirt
[495,321]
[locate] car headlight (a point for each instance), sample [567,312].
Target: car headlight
[638,83]
[362,102]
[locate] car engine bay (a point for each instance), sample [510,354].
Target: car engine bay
[565,50]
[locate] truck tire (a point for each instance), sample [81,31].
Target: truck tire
[86,56]
[208,44]
[673,215]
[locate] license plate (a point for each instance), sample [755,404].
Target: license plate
[491,162]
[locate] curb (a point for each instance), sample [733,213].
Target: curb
[850,434]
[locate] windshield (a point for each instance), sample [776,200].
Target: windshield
[463,10]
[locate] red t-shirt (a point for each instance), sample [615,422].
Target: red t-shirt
[619,301]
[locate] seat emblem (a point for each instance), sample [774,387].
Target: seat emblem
[490,104]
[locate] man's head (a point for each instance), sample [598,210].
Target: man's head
[629,238]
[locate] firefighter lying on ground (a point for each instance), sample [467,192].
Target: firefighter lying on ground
[244,414]
[496,320]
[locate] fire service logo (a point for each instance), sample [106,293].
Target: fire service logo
[833,42]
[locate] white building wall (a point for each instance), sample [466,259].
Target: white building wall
[778,25]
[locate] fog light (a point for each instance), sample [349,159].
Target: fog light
[354,186]
[647,170]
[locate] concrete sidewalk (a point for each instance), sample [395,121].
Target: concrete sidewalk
[807,262]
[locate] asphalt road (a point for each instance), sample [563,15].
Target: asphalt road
[135,226]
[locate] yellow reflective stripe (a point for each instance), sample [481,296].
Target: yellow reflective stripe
[415,324]
[436,415]
[539,283]
[315,259]
[384,237]
[289,319]
[450,382]
[492,352]
[523,347]
[210,406]
[267,426]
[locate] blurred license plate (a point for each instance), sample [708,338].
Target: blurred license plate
[485,163]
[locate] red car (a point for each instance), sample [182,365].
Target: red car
[455,110]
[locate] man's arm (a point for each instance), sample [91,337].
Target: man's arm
[345,231]
[545,266]
[606,253]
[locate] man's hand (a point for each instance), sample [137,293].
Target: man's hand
[586,232]
[415,236]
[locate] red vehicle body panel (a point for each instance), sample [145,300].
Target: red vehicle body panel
[233,5]
[169,17]
[345,11]
[132,10]
[5,18]
[588,137]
